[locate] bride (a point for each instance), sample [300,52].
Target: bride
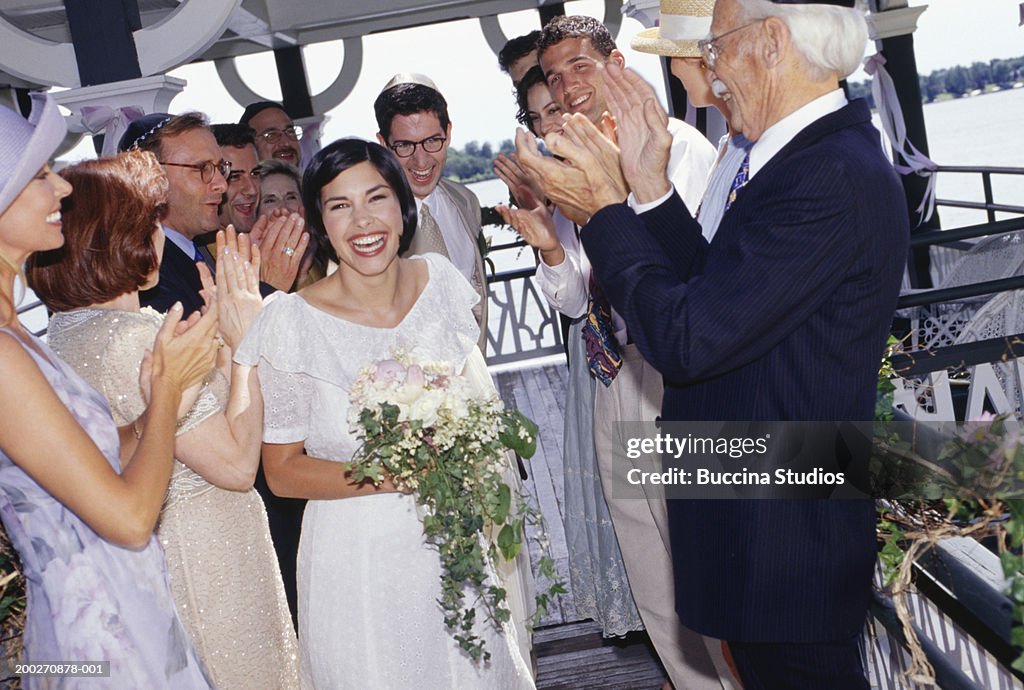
[368,583]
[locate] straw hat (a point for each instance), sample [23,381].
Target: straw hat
[681,24]
[27,145]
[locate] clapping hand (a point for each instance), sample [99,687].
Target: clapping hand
[579,183]
[236,293]
[537,228]
[282,240]
[641,131]
[523,188]
[184,351]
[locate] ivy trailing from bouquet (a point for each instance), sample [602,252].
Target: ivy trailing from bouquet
[422,427]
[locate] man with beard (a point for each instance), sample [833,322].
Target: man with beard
[277,136]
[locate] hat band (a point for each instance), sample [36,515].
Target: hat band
[683,27]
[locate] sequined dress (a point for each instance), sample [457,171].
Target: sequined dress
[368,582]
[224,573]
[88,599]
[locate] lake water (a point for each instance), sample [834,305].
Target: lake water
[983,130]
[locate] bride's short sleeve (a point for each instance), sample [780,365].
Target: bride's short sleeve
[273,346]
[286,404]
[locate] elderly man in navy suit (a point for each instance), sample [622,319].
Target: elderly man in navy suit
[783,317]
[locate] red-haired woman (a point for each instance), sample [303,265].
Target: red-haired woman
[213,526]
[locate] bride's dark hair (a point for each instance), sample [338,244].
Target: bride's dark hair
[336,158]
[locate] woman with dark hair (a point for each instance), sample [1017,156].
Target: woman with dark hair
[79,496]
[213,526]
[368,583]
[596,570]
[538,111]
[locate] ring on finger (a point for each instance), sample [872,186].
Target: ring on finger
[288,251]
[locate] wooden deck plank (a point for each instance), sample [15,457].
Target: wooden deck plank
[571,653]
[520,388]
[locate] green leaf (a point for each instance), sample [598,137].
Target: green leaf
[504,504]
[508,544]
[519,434]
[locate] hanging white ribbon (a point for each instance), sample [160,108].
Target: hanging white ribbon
[309,145]
[913,161]
[110,122]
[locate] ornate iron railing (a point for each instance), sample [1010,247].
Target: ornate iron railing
[521,323]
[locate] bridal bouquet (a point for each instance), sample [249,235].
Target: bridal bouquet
[422,426]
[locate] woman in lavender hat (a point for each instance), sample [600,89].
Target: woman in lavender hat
[79,497]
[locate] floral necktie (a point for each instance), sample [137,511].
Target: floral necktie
[603,356]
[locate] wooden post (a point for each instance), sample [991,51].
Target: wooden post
[103,40]
[291,73]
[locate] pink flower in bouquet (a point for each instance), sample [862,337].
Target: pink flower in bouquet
[388,370]
[414,375]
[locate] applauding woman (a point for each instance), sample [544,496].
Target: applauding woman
[83,526]
[213,526]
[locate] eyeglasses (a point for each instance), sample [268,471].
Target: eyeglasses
[404,149]
[206,169]
[712,52]
[272,136]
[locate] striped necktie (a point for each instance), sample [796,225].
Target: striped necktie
[738,182]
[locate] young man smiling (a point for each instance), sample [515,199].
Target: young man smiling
[572,52]
[412,117]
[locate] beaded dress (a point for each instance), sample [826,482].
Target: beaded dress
[90,600]
[368,582]
[224,572]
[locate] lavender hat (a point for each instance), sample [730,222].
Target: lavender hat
[27,145]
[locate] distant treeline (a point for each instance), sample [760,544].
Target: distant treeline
[954,82]
[476,161]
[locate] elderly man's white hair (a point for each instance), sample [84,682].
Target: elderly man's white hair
[830,38]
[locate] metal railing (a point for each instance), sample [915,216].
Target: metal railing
[521,324]
[986,173]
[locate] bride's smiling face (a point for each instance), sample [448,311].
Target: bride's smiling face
[363,219]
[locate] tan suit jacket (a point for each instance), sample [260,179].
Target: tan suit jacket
[469,210]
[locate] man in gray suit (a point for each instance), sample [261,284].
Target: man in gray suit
[412,116]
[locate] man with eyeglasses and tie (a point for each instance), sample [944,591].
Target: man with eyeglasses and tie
[197,176]
[412,117]
[276,135]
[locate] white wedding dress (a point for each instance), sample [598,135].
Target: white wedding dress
[368,583]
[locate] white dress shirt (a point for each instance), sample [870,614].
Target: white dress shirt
[773,139]
[462,250]
[566,286]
